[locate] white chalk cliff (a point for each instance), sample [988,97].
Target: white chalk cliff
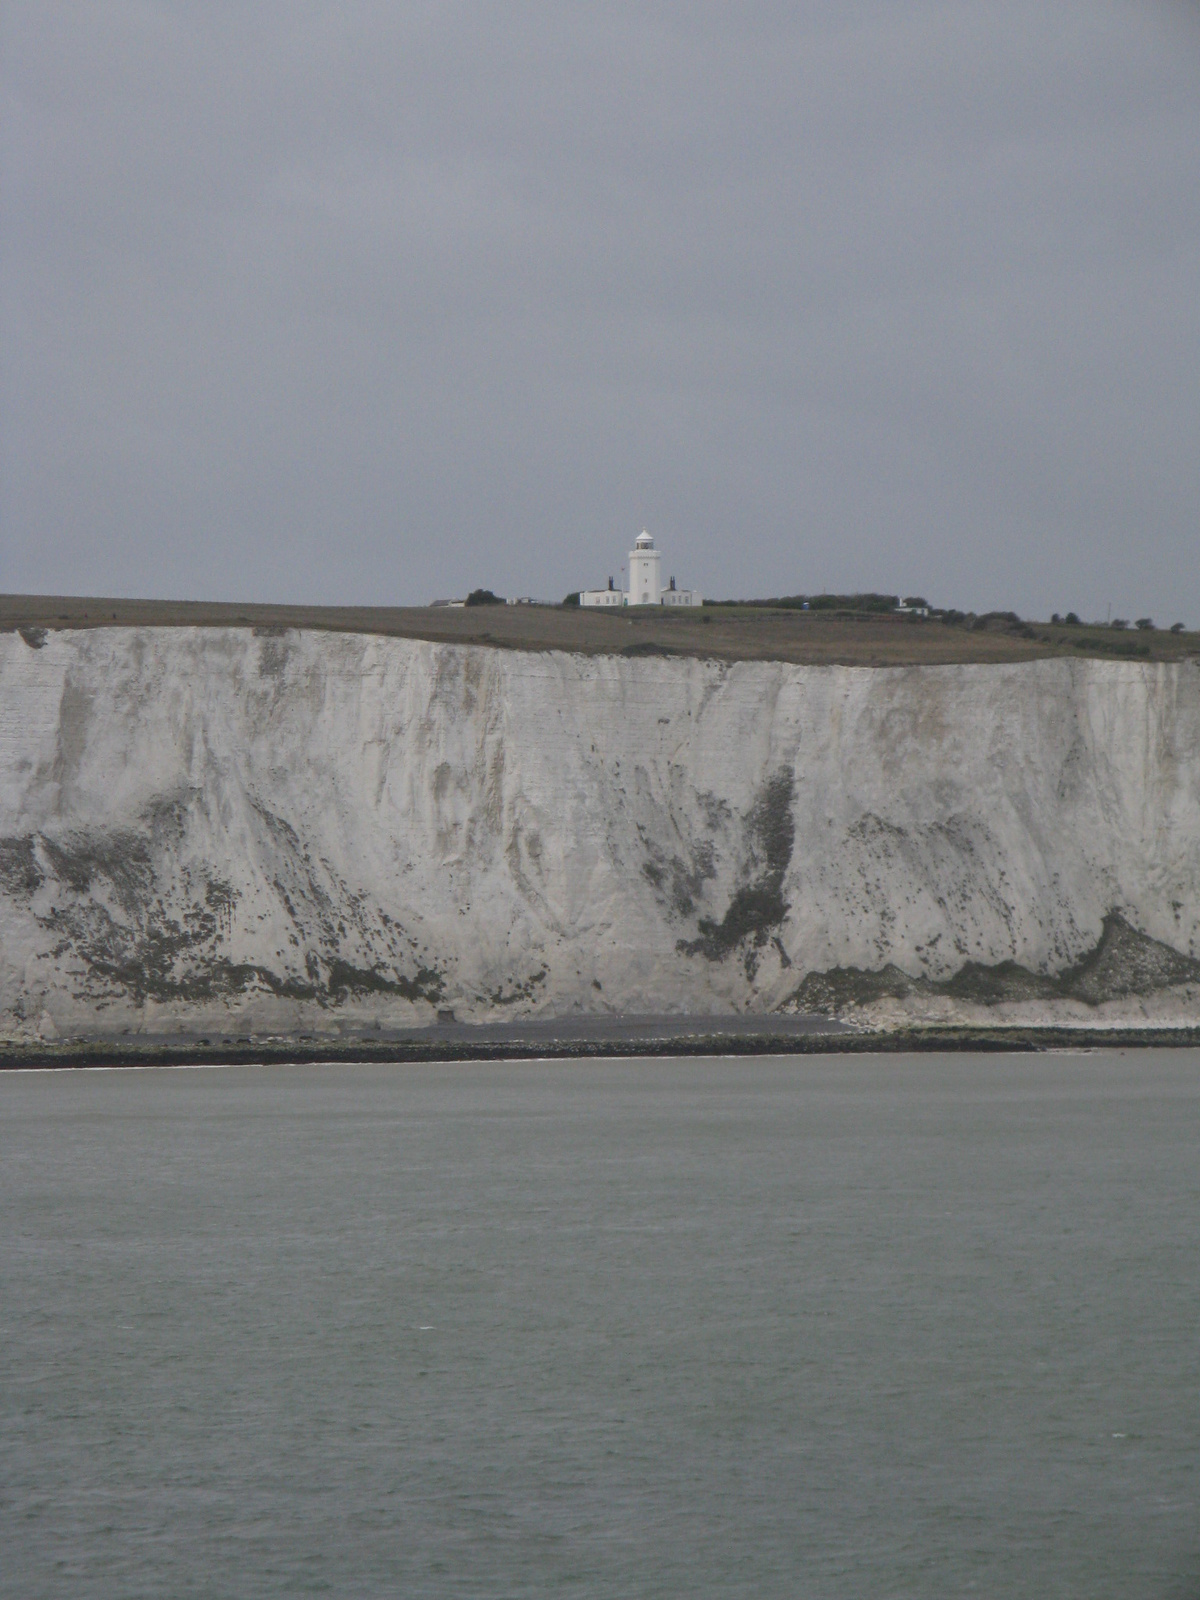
[274,832]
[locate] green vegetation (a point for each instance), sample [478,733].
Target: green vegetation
[1124,961]
[854,630]
[484,597]
[916,609]
[1112,647]
[857,604]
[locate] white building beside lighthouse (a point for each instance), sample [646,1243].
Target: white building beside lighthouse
[645,583]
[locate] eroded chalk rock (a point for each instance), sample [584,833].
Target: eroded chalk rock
[278,830]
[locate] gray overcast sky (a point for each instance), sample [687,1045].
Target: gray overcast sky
[372,301]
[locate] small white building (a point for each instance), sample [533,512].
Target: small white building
[645,583]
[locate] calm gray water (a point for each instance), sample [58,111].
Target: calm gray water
[798,1327]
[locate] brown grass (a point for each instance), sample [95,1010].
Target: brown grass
[734,633]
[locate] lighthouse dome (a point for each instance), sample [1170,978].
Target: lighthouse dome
[643,541]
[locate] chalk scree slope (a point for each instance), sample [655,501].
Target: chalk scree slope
[290,832]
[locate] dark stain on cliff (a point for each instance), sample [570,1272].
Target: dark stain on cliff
[19,870]
[680,882]
[274,651]
[119,858]
[757,905]
[1123,962]
[177,959]
[1126,961]
[130,920]
[648,647]
[345,979]
[519,991]
[220,896]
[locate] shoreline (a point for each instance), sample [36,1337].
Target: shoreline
[267,1051]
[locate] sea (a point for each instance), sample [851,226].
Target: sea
[806,1326]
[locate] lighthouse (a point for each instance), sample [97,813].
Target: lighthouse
[645,582]
[645,572]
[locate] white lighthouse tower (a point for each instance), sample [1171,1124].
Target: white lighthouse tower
[645,583]
[645,572]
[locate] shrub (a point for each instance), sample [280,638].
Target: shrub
[1177,627]
[1119,622]
[1073,619]
[572,599]
[853,602]
[1146,624]
[1054,617]
[484,597]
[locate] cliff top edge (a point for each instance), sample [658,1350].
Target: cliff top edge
[731,633]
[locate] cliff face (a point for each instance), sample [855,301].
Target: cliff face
[286,830]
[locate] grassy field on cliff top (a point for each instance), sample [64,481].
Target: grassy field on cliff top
[727,632]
